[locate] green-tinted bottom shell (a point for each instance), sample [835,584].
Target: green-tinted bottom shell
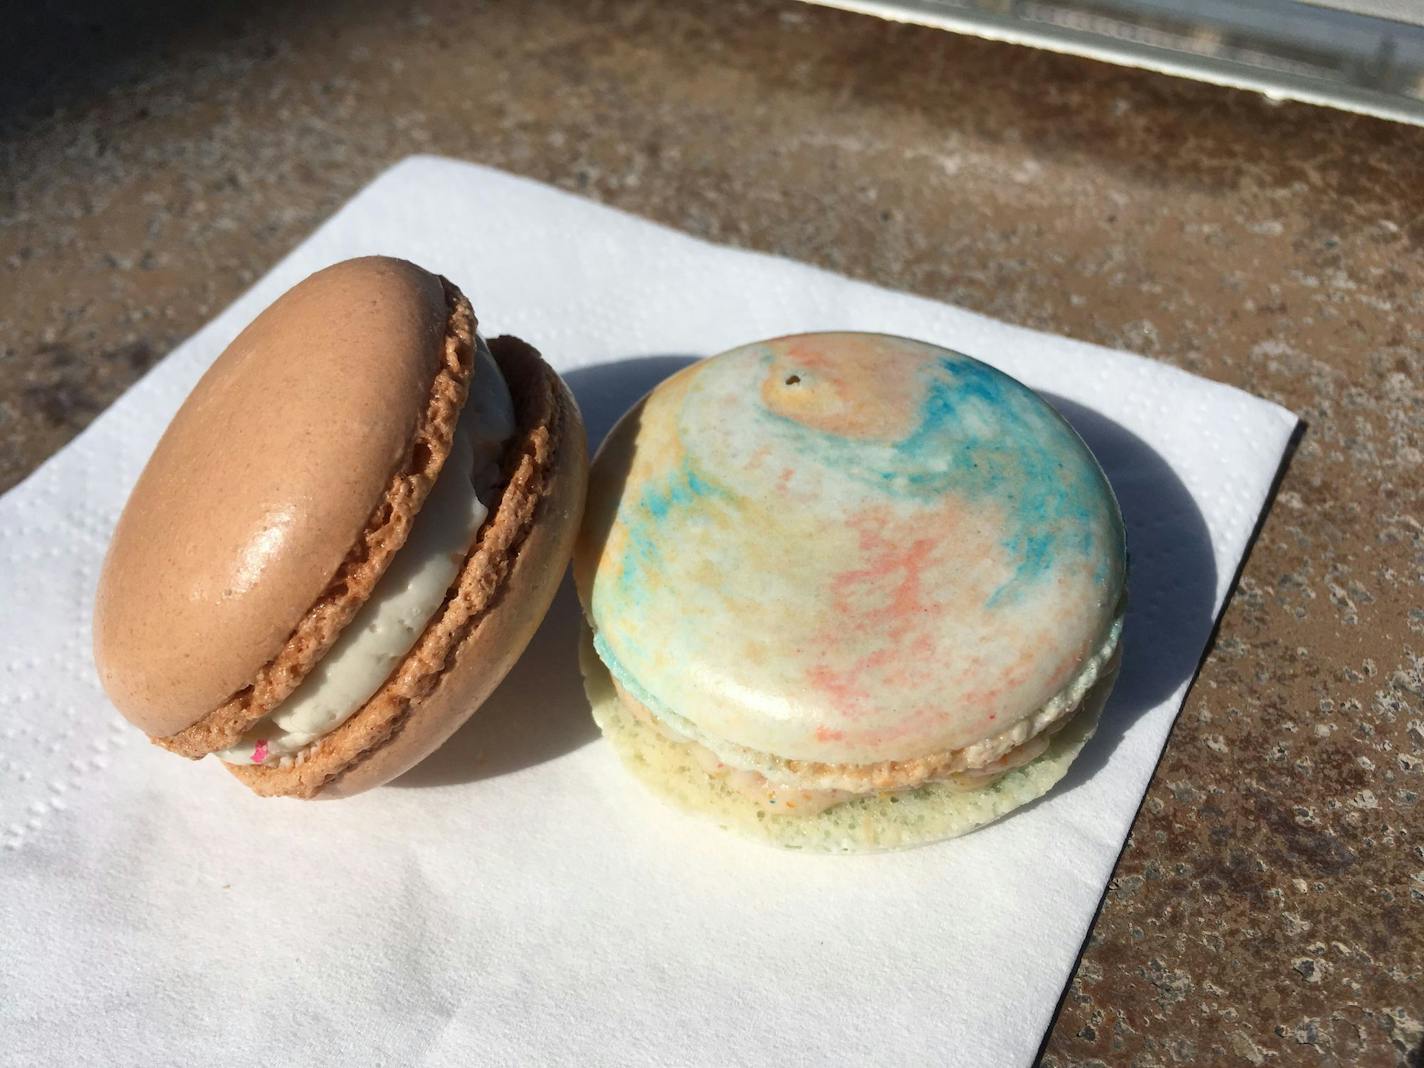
[929,813]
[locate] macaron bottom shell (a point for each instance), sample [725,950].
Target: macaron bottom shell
[873,823]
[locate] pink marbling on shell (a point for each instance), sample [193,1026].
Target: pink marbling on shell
[849,548]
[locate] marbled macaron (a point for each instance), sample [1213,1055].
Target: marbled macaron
[849,591]
[344,539]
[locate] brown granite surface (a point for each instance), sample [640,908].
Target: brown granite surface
[1269,907]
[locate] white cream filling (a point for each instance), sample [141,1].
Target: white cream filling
[410,592]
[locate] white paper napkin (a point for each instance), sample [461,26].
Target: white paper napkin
[519,898]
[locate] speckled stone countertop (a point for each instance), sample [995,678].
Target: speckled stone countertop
[1269,907]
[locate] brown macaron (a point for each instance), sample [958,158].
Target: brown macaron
[282,492]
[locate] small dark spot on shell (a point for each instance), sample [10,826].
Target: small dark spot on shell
[791,380]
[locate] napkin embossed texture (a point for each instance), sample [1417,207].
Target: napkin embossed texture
[519,897]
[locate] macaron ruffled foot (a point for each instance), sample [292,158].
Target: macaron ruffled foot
[411,591]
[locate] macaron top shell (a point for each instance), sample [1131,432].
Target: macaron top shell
[848,549]
[264,484]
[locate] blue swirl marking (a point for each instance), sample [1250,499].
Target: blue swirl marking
[981,436]
[682,488]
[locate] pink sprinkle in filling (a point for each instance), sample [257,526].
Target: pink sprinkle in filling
[259,751]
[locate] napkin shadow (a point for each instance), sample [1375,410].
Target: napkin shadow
[539,711]
[1171,582]
[606,391]
[536,714]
